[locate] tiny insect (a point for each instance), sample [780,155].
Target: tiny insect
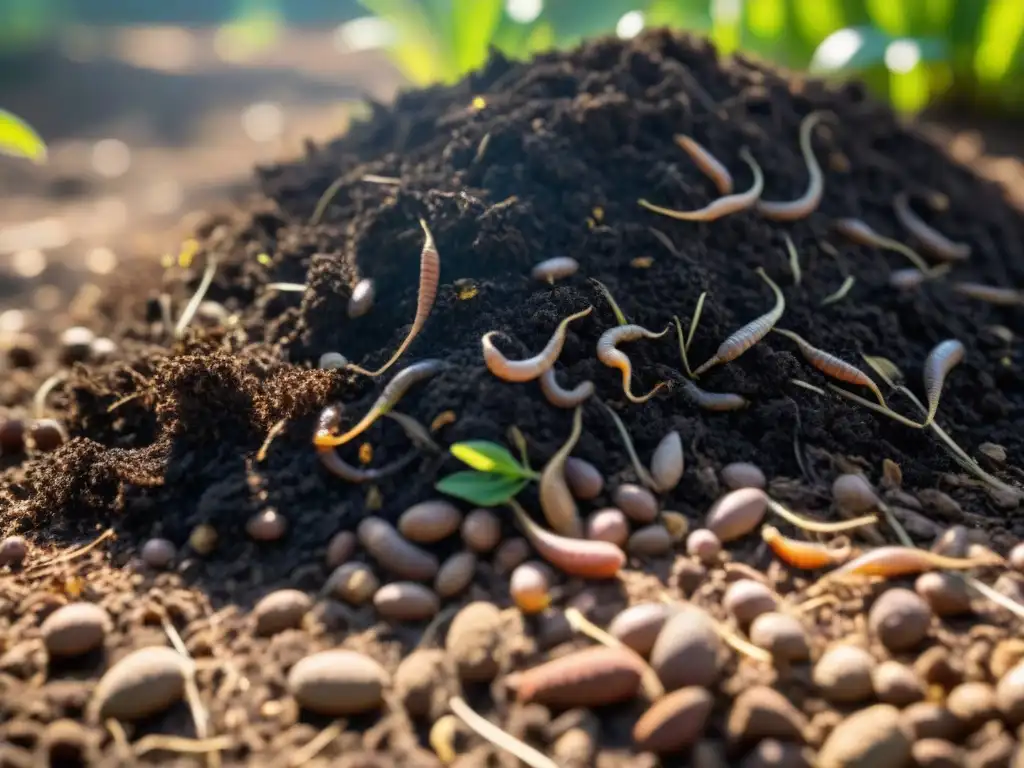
[941,360]
[808,202]
[608,354]
[803,554]
[833,366]
[527,370]
[709,165]
[933,241]
[723,206]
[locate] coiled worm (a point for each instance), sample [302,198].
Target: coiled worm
[527,370]
[894,561]
[327,422]
[713,401]
[708,164]
[556,500]
[803,554]
[859,232]
[833,366]
[388,398]
[940,361]
[931,239]
[560,397]
[1001,297]
[576,557]
[808,202]
[723,206]
[430,274]
[749,334]
[608,354]
[550,270]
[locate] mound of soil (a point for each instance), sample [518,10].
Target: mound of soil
[515,164]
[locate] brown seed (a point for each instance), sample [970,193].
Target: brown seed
[896,684]
[354,583]
[843,674]
[588,678]
[650,541]
[395,553]
[511,553]
[406,601]
[473,641]
[937,753]
[946,593]
[686,651]
[203,539]
[928,720]
[747,599]
[280,610]
[481,530]
[530,587]
[46,435]
[584,479]
[743,474]
[340,548]
[455,574]
[12,437]
[781,635]
[993,452]
[638,626]
[141,684]
[870,738]
[900,619]
[1010,695]
[737,513]
[555,268]
[338,683]
[973,704]
[854,494]
[608,524]
[674,722]
[13,550]
[676,523]
[266,525]
[158,553]
[75,629]
[636,502]
[422,681]
[361,300]
[760,712]
[704,545]
[75,344]
[429,521]
[667,462]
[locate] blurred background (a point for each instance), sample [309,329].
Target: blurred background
[156,111]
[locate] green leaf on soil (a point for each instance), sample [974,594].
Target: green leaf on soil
[481,488]
[485,456]
[19,139]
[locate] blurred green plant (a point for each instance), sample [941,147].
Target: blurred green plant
[18,138]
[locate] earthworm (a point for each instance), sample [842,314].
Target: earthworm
[550,270]
[709,165]
[806,204]
[941,360]
[392,393]
[933,241]
[531,368]
[859,232]
[590,677]
[613,358]
[899,561]
[723,206]
[749,334]
[713,401]
[556,500]
[833,366]
[327,422]
[803,554]
[576,557]
[560,397]
[430,273]
[1001,297]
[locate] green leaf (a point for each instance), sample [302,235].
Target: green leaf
[19,139]
[474,23]
[417,53]
[486,456]
[481,488]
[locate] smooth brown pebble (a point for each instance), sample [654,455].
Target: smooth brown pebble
[674,722]
[280,610]
[406,601]
[421,680]
[737,513]
[896,684]
[687,648]
[937,753]
[900,619]
[360,301]
[667,462]
[337,683]
[871,738]
[591,677]
[75,629]
[158,553]
[12,436]
[676,523]
[843,674]
[637,627]
[747,599]
[854,494]
[473,641]
[203,539]
[13,550]
[354,583]
[47,435]
[953,542]
[143,683]
[743,474]
[455,574]
[782,635]
[574,749]
[1010,695]
[650,541]
[510,554]
[608,524]
[760,712]
[928,720]
[394,552]
[481,530]
[973,704]
[429,521]
[704,545]
[340,548]
[636,502]
[946,593]
[772,753]
[585,480]
[266,525]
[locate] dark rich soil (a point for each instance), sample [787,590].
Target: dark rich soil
[550,162]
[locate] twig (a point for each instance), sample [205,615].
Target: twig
[638,466]
[325,200]
[817,527]
[39,400]
[181,745]
[292,287]
[197,298]
[69,556]
[695,320]
[996,597]
[373,178]
[841,292]
[317,744]
[275,430]
[200,716]
[498,737]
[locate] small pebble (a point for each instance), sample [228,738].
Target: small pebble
[608,524]
[280,610]
[158,553]
[760,712]
[340,548]
[870,738]
[953,542]
[637,627]
[75,344]
[511,553]
[743,474]
[946,593]
[650,541]
[843,674]
[667,462]
[574,748]
[429,521]
[555,268]
[747,599]
[928,720]
[676,523]
[900,619]
[361,300]
[584,479]
[674,722]
[973,704]
[406,601]
[394,552]
[337,683]
[1016,558]
[937,753]
[636,502]
[481,530]
[854,494]
[737,513]
[704,545]
[993,452]
[12,437]
[942,503]
[266,525]
[143,683]
[687,648]
[473,640]
[46,435]
[354,583]
[75,629]
[1010,695]
[13,549]
[421,681]
[203,539]
[331,361]
[897,684]
[937,666]
[781,635]
[455,574]
[529,586]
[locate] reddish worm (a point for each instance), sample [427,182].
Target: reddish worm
[608,354]
[588,559]
[527,370]
[723,206]
[807,203]
[327,423]
[833,366]
[709,165]
[933,241]
[899,561]
[803,554]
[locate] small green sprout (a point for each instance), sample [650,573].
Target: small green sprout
[495,478]
[19,139]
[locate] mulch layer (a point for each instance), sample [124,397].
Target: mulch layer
[515,164]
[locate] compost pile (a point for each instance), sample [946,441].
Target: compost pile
[513,165]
